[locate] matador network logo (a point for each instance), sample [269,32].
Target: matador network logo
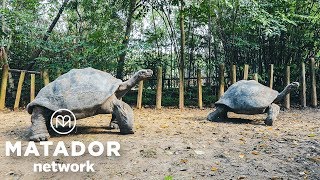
[63,121]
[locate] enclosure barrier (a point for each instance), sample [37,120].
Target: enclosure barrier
[233,78]
[4,81]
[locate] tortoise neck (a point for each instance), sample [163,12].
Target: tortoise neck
[283,93]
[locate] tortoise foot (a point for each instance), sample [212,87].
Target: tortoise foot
[268,122]
[40,137]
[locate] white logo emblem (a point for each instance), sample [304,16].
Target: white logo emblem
[64,118]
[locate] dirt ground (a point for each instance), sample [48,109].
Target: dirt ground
[181,144]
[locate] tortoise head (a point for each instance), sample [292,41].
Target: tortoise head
[295,85]
[144,74]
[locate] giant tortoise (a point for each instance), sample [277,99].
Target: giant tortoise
[250,97]
[85,92]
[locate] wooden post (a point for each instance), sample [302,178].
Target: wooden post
[221,81]
[181,90]
[32,86]
[271,76]
[139,97]
[233,74]
[245,72]
[287,98]
[18,95]
[313,85]
[303,86]
[45,76]
[159,88]
[255,77]
[199,80]
[4,82]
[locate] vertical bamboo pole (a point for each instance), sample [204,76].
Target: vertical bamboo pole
[245,72]
[221,81]
[303,85]
[271,76]
[313,85]
[45,76]
[32,86]
[4,82]
[287,98]
[159,88]
[139,98]
[18,95]
[199,80]
[255,77]
[233,74]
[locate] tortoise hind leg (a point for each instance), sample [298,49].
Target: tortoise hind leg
[272,112]
[39,131]
[219,114]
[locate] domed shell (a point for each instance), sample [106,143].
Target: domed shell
[78,90]
[248,97]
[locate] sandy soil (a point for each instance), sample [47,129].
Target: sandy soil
[182,145]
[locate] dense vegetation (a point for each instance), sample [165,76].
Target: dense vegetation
[122,36]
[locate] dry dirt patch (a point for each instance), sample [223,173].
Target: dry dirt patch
[181,144]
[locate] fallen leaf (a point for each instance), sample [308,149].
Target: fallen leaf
[214,168]
[199,152]
[311,135]
[255,152]
[241,156]
[184,161]
[164,126]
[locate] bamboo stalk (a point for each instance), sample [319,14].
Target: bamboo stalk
[32,87]
[221,81]
[139,98]
[4,82]
[159,88]
[233,74]
[314,100]
[18,95]
[245,72]
[271,76]
[45,76]
[287,98]
[303,85]
[199,88]
[255,77]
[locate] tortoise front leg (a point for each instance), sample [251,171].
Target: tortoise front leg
[219,114]
[39,131]
[114,122]
[124,116]
[272,112]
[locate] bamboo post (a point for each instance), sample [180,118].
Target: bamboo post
[233,74]
[255,77]
[18,95]
[221,81]
[303,85]
[45,76]
[32,86]
[287,98]
[245,72]
[313,85]
[4,82]
[271,76]
[199,80]
[159,88]
[139,98]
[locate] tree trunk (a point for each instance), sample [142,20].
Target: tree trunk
[182,57]
[46,36]
[125,41]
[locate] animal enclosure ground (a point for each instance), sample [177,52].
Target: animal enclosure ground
[183,145]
